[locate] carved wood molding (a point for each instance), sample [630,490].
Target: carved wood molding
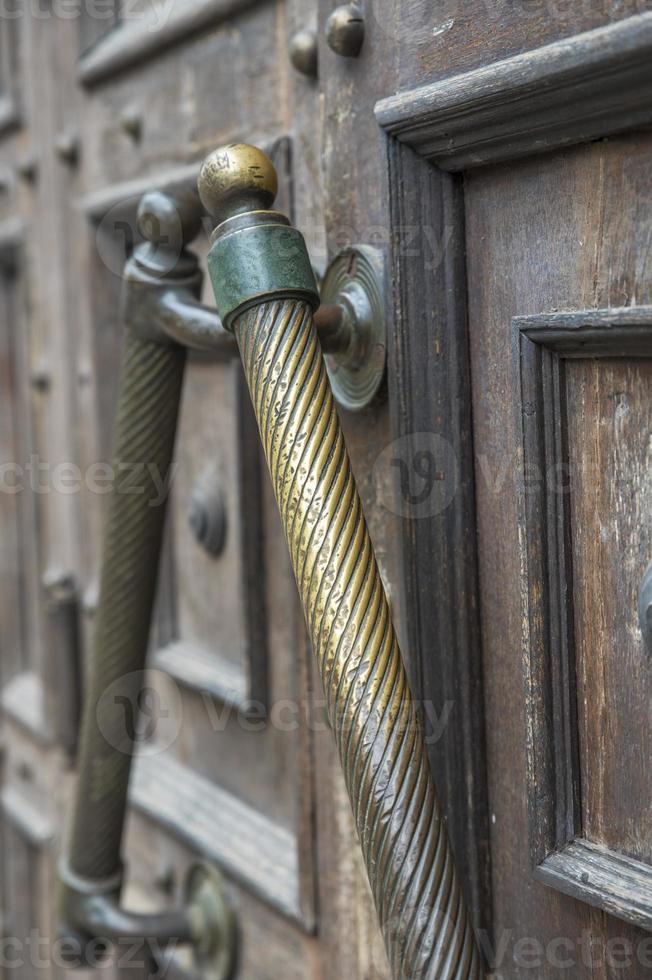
[200,668]
[600,877]
[32,825]
[578,89]
[429,385]
[263,856]
[22,701]
[125,196]
[139,38]
[561,856]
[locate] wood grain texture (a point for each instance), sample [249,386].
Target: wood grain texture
[20,603]
[219,827]
[551,719]
[95,22]
[220,606]
[623,332]
[610,462]
[587,520]
[151,31]
[12,611]
[609,881]
[577,89]
[429,387]
[452,38]
[561,232]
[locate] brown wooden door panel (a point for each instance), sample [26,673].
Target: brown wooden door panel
[535,244]
[610,421]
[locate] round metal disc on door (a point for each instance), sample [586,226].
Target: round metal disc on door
[354,281]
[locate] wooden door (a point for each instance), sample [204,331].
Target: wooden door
[518,134]
[497,157]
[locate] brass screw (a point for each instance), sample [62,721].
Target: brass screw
[41,378]
[303,53]
[67,148]
[27,168]
[131,121]
[345,30]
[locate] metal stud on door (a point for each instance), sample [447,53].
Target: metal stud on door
[266,294]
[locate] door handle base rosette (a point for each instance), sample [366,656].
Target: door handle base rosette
[91,918]
[266,294]
[212,921]
[353,303]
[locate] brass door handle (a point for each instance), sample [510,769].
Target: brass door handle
[266,294]
[162,277]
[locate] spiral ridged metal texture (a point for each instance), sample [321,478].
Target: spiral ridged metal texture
[402,832]
[148,407]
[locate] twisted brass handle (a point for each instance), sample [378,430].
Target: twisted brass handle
[266,294]
[161,279]
[150,391]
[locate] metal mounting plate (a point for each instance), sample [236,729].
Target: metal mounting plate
[357,273]
[214,924]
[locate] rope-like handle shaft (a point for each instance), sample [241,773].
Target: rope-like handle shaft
[402,831]
[150,392]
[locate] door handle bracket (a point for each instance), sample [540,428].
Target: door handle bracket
[352,327]
[90,912]
[350,320]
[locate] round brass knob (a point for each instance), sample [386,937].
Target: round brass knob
[236,179]
[303,52]
[67,148]
[345,30]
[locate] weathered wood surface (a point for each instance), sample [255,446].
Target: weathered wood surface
[623,332]
[426,43]
[594,874]
[430,407]
[610,464]
[588,725]
[571,91]
[551,234]
[147,30]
